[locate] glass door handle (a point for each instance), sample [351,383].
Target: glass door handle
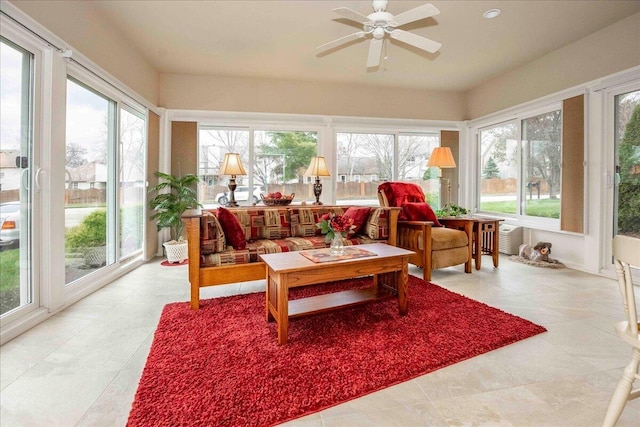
[24,173]
[39,172]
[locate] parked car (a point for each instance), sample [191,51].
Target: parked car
[9,225]
[241,195]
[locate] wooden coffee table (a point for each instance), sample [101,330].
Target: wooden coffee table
[389,268]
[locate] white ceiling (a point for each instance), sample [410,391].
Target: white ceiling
[277,39]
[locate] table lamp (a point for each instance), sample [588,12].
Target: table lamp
[317,168]
[442,158]
[232,165]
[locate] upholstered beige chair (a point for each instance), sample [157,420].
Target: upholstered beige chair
[626,253]
[435,247]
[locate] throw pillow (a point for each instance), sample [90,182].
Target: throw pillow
[420,212]
[359,216]
[232,229]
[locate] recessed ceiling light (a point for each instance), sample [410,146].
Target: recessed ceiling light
[492,13]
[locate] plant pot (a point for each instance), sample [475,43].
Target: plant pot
[177,251]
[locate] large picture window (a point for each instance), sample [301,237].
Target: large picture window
[275,161]
[520,167]
[364,160]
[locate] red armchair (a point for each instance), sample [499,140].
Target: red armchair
[434,246]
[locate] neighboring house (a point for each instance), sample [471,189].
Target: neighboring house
[358,169]
[9,172]
[88,176]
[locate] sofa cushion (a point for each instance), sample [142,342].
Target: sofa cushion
[447,238]
[377,225]
[233,231]
[212,239]
[417,211]
[359,214]
[270,223]
[304,219]
[264,246]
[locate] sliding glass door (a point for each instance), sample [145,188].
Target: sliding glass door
[627,163]
[88,166]
[132,182]
[17,291]
[104,181]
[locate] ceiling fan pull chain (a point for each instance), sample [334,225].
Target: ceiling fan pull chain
[385,50]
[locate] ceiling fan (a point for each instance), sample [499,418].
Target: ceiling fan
[381,23]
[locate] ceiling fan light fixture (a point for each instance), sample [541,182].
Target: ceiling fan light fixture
[377,25]
[492,13]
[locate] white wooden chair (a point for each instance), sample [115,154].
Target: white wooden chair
[626,253]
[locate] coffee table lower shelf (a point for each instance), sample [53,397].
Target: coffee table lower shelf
[327,302]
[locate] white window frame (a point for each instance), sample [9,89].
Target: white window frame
[515,117]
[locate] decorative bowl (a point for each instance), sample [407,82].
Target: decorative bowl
[283,201]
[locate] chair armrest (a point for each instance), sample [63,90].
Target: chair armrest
[409,235]
[464,224]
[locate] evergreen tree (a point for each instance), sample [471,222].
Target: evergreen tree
[629,188]
[491,169]
[430,173]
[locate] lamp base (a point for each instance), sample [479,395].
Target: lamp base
[232,188]
[317,191]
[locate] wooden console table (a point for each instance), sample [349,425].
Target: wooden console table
[486,238]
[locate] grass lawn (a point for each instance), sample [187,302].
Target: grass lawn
[9,280]
[546,208]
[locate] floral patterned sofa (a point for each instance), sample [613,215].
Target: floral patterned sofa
[225,244]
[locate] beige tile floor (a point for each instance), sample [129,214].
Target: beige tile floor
[82,366]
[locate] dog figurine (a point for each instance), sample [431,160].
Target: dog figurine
[538,253]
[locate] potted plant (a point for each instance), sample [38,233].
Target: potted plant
[169,207]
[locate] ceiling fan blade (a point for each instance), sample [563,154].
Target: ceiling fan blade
[415,40]
[351,14]
[416,14]
[375,50]
[341,40]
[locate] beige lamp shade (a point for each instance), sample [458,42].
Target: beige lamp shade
[232,165]
[317,167]
[441,157]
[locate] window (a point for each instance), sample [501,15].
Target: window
[520,166]
[132,181]
[366,159]
[90,130]
[105,172]
[17,291]
[278,163]
[541,164]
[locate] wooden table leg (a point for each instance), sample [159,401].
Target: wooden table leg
[402,285]
[496,244]
[282,317]
[272,298]
[478,244]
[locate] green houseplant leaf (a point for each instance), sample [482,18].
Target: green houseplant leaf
[173,196]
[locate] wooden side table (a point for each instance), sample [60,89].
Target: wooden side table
[486,238]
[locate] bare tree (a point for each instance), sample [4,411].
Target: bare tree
[542,142]
[219,142]
[348,149]
[382,148]
[75,155]
[132,140]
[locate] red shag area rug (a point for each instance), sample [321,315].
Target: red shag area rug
[222,365]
